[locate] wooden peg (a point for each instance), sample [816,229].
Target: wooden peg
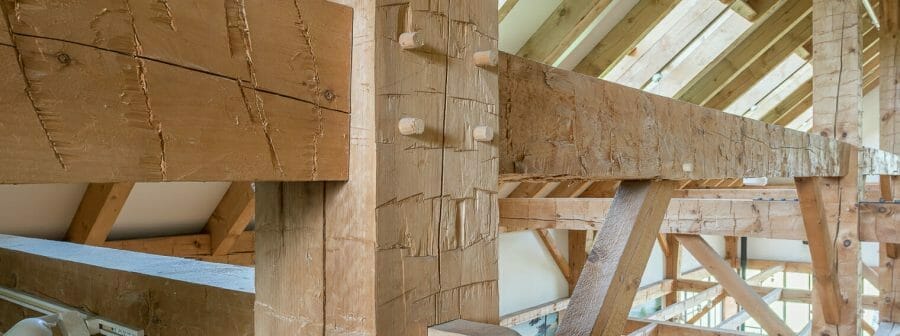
[411,40]
[687,167]
[411,126]
[483,133]
[486,58]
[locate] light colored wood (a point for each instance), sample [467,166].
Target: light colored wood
[837,74]
[561,29]
[707,308]
[742,316]
[869,302]
[889,71]
[624,36]
[616,262]
[799,97]
[821,247]
[560,260]
[469,328]
[672,266]
[99,208]
[646,293]
[709,294]
[507,7]
[290,259]
[89,102]
[731,252]
[886,186]
[867,327]
[777,20]
[125,286]
[197,246]
[231,217]
[578,253]
[735,285]
[435,193]
[565,121]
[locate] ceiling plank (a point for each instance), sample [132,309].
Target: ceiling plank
[231,217]
[624,36]
[735,286]
[781,19]
[801,93]
[99,208]
[561,29]
[730,91]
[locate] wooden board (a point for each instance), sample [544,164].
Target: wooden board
[98,92]
[162,295]
[612,274]
[558,125]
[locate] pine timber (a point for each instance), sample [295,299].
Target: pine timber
[557,125]
[612,274]
[742,316]
[162,295]
[735,286]
[562,28]
[777,20]
[889,70]
[672,266]
[99,208]
[95,92]
[624,36]
[197,246]
[557,255]
[436,227]
[821,249]
[231,216]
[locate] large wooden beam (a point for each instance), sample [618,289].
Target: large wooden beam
[610,278]
[821,247]
[562,28]
[678,329]
[163,295]
[735,285]
[99,208]
[622,38]
[176,94]
[557,124]
[889,74]
[231,217]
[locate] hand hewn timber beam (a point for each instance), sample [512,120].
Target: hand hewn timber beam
[623,37]
[821,247]
[181,294]
[742,316]
[99,208]
[561,29]
[608,283]
[735,285]
[230,217]
[556,124]
[777,21]
[197,246]
[153,97]
[889,72]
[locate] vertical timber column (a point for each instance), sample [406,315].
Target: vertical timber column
[889,43]
[672,267]
[837,93]
[437,217]
[313,278]
[612,274]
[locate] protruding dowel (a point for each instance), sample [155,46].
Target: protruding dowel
[411,40]
[483,133]
[411,126]
[486,58]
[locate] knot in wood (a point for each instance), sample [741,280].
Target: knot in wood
[63,58]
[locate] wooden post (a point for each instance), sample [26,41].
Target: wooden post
[612,274]
[672,267]
[889,43]
[837,95]
[436,203]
